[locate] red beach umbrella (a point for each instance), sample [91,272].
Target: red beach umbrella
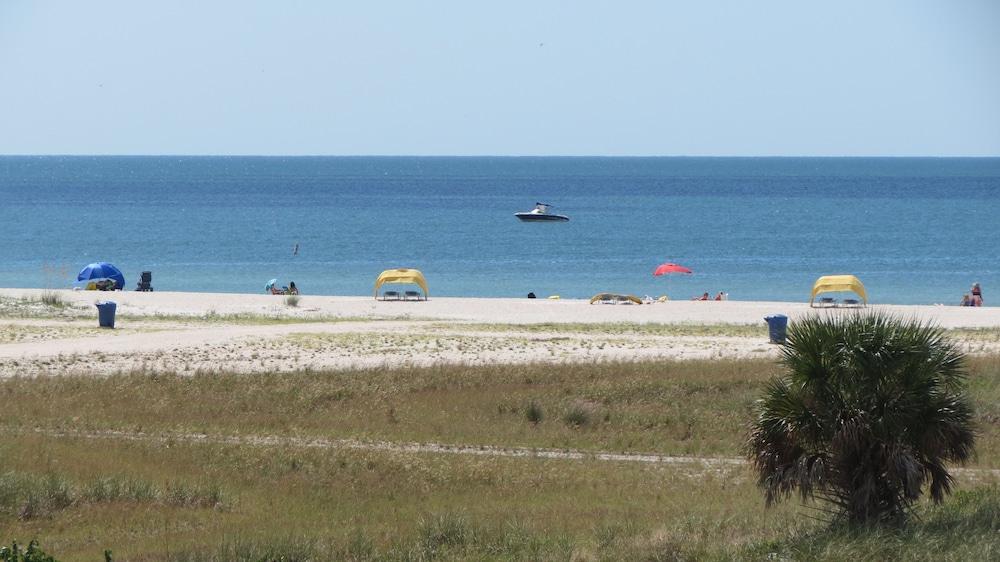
[667,268]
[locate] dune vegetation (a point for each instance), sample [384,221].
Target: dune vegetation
[443,462]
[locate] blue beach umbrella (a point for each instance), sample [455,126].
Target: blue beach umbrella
[270,285]
[102,270]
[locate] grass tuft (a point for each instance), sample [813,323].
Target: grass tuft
[245,549]
[444,530]
[534,412]
[27,496]
[53,299]
[580,414]
[292,300]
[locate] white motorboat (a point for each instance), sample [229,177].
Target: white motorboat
[540,214]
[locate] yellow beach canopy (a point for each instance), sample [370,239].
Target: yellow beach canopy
[836,283]
[403,275]
[614,297]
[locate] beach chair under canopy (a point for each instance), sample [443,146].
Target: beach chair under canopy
[402,276]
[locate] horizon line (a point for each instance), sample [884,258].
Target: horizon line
[635,156]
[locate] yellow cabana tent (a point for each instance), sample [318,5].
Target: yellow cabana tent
[614,298]
[836,283]
[402,275]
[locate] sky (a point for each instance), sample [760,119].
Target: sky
[718,78]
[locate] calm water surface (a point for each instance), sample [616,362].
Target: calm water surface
[914,230]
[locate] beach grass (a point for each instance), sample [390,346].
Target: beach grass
[37,333]
[616,328]
[51,305]
[147,464]
[696,407]
[675,408]
[688,329]
[324,501]
[183,501]
[246,318]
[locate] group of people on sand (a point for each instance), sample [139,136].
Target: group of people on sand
[291,289]
[975,299]
[704,297]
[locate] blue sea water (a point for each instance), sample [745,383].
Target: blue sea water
[915,230]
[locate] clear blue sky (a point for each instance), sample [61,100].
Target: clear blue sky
[855,77]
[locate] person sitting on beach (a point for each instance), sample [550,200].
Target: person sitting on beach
[292,289]
[977,295]
[276,291]
[703,297]
[721,296]
[966,300]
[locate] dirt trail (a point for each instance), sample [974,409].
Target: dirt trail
[713,463]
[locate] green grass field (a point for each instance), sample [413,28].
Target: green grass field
[152,492]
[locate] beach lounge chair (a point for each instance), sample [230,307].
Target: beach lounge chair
[851,302]
[145,282]
[394,295]
[827,301]
[408,294]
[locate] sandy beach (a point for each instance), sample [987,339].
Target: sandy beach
[207,332]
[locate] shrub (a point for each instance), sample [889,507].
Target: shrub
[292,300]
[870,409]
[32,554]
[534,412]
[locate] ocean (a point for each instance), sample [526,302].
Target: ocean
[914,230]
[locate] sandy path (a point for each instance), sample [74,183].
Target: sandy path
[701,463]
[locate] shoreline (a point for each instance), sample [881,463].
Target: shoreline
[490,310]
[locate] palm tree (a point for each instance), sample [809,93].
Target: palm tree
[870,409]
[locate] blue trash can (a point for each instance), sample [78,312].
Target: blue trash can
[106,314]
[776,326]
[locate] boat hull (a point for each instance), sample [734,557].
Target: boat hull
[536,217]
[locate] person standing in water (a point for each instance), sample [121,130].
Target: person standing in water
[295,249]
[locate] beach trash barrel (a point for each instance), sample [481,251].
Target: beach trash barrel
[106,314]
[777,324]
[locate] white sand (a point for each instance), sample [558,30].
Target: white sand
[191,332]
[496,310]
